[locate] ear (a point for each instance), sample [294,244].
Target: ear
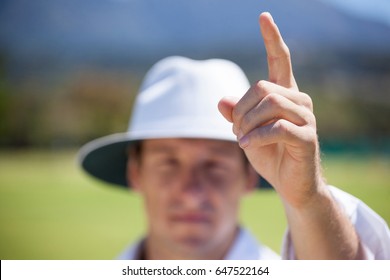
[252,179]
[133,174]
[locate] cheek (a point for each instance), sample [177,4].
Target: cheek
[155,201]
[156,207]
[227,201]
[154,198]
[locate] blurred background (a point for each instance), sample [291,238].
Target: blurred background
[69,71]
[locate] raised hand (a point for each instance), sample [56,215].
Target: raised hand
[275,125]
[276,128]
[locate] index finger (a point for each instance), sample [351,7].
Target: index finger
[278,55]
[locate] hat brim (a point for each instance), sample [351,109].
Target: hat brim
[106,158]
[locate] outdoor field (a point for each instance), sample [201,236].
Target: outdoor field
[49,209]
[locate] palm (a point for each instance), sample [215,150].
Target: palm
[281,166]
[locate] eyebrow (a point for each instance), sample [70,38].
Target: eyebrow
[161,148]
[222,151]
[215,150]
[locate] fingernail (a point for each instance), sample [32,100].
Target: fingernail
[243,141]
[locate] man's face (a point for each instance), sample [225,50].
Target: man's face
[191,189]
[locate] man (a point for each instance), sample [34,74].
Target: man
[181,155]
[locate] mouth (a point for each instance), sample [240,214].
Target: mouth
[192,218]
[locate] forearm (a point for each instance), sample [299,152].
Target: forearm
[321,230]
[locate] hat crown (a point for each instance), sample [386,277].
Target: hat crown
[179,98]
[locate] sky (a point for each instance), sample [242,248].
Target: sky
[106,25]
[372,9]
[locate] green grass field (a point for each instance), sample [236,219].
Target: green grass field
[51,210]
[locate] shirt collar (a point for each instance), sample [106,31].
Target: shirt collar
[244,247]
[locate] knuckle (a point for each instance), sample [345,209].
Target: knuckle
[312,121]
[307,101]
[236,113]
[308,116]
[246,122]
[283,52]
[286,50]
[309,120]
[311,138]
[261,88]
[273,100]
[282,127]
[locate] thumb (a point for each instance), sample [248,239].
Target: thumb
[226,105]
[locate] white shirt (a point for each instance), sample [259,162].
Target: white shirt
[372,230]
[245,247]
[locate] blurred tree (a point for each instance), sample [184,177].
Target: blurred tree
[92,105]
[4,100]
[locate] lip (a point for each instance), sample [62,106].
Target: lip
[191,218]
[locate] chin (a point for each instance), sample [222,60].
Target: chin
[193,247]
[194,240]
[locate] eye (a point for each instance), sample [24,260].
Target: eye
[216,172]
[167,164]
[216,167]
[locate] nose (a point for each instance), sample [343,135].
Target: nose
[193,190]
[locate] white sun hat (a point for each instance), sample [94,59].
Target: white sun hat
[177,99]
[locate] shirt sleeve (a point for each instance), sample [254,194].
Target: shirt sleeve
[373,232]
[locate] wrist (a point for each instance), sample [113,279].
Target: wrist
[315,199]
